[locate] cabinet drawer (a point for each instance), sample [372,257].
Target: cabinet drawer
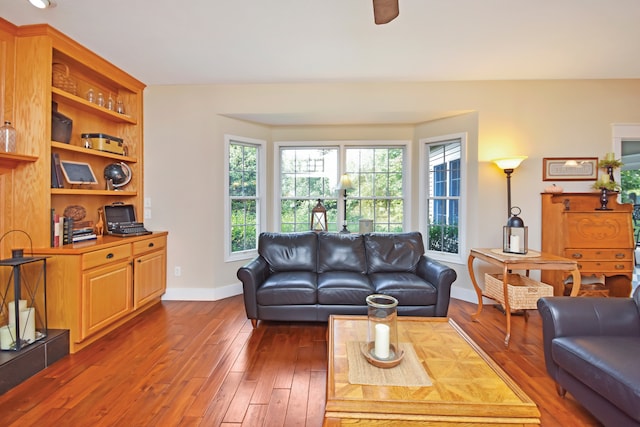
[605,266]
[599,254]
[104,256]
[147,245]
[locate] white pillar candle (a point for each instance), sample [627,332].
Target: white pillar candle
[12,309]
[515,243]
[28,325]
[7,337]
[382,341]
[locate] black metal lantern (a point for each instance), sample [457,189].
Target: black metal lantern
[515,234]
[319,217]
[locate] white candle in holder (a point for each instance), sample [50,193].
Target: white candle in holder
[22,305]
[7,337]
[28,325]
[515,243]
[381,348]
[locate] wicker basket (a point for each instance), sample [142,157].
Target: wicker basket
[523,291]
[62,80]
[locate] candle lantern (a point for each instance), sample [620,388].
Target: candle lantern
[381,348]
[319,217]
[23,300]
[514,234]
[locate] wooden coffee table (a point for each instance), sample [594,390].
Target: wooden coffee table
[468,387]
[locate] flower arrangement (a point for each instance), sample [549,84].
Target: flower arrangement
[609,161]
[604,183]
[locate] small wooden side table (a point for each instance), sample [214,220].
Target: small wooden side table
[531,261]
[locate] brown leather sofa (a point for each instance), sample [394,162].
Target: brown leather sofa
[307,276]
[592,350]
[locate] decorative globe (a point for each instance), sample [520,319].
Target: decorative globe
[118,173]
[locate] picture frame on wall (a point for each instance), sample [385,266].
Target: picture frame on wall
[569,168]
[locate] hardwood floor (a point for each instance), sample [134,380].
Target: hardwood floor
[202,364]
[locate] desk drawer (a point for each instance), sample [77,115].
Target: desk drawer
[147,245]
[605,266]
[104,256]
[580,254]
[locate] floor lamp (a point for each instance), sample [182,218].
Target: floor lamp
[508,165]
[345,184]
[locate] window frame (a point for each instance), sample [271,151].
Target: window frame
[405,145]
[261,179]
[423,198]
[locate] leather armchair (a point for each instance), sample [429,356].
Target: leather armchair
[591,349]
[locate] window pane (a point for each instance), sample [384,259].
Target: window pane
[306,175]
[243,192]
[377,174]
[444,196]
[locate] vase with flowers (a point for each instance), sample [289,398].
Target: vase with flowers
[606,182]
[609,163]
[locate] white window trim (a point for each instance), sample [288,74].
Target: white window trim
[341,146]
[423,200]
[261,184]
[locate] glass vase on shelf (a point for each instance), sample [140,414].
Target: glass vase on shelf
[8,138]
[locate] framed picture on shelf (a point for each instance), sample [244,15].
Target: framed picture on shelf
[569,168]
[78,172]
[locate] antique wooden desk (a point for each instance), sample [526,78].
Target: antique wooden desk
[532,261]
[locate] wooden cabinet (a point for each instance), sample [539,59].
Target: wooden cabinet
[106,297]
[96,286]
[600,240]
[37,49]
[149,269]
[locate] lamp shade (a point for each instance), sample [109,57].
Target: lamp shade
[509,162]
[345,183]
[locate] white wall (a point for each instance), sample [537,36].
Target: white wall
[184,147]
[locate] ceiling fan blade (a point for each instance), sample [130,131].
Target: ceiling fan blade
[385,11]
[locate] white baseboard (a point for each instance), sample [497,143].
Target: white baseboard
[468,295]
[202,294]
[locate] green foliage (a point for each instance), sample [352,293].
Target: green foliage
[443,238]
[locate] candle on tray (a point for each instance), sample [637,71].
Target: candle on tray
[605,179]
[382,341]
[609,156]
[7,337]
[28,325]
[22,305]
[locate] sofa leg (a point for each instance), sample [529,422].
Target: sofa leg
[561,390]
[254,323]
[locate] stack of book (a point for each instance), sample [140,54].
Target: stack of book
[65,230]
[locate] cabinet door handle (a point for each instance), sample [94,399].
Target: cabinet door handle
[577,255]
[620,256]
[151,244]
[619,267]
[109,256]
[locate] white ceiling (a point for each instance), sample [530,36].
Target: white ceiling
[261,41]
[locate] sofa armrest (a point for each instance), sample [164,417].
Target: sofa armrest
[440,276]
[585,316]
[252,275]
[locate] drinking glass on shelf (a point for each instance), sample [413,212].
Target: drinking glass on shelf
[100,99]
[90,96]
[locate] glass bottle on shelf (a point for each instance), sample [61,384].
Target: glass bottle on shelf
[90,95]
[8,138]
[100,99]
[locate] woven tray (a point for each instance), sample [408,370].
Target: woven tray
[62,80]
[523,292]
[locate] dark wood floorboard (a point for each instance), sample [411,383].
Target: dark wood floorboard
[202,364]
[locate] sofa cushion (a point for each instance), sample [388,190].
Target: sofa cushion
[341,252]
[289,251]
[288,288]
[343,287]
[393,252]
[606,364]
[407,288]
